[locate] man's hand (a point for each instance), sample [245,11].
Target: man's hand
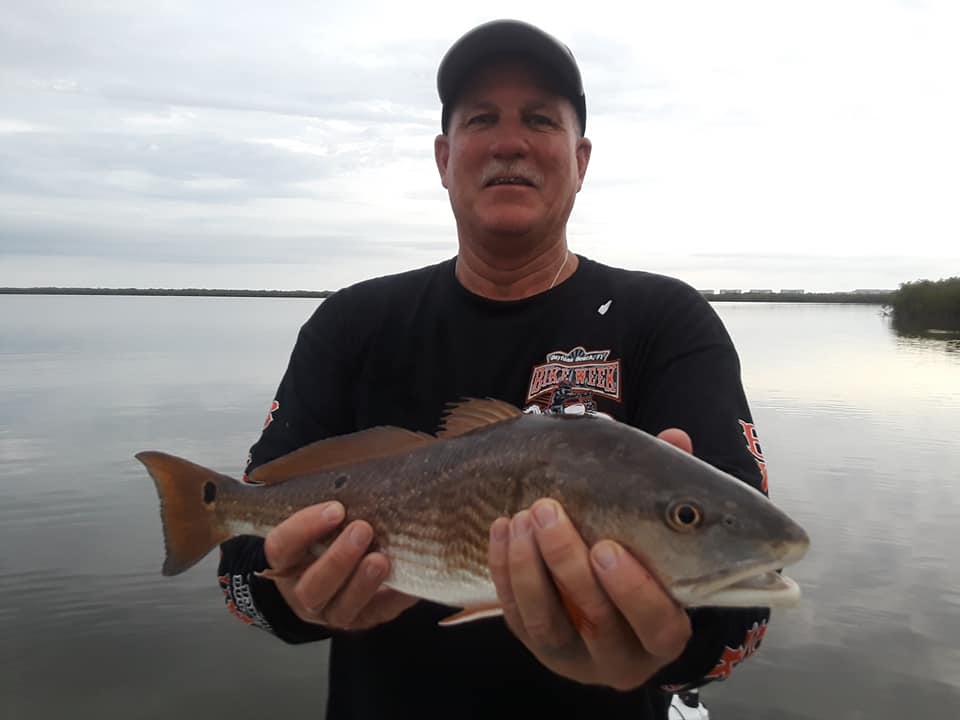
[342,588]
[623,626]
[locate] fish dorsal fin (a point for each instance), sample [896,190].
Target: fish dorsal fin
[335,452]
[474,413]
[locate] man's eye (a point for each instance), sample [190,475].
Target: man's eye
[542,120]
[481,119]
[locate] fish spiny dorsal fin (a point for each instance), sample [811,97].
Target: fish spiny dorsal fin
[474,413]
[335,452]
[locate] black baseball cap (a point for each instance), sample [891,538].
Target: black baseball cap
[509,38]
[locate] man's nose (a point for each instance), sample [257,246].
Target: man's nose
[509,142]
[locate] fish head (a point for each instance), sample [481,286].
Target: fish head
[708,537]
[723,544]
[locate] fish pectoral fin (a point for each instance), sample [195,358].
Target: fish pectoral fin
[292,572]
[471,613]
[475,413]
[330,453]
[271,574]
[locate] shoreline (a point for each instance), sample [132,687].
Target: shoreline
[771,297]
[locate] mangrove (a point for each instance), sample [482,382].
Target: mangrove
[927,305]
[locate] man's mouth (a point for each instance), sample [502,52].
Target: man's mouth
[510,180]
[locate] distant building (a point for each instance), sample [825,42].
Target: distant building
[792,292]
[762,292]
[871,292]
[730,292]
[705,292]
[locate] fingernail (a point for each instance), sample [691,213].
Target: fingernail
[607,555]
[520,525]
[360,535]
[546,514]
[499,531]
[333,512]
[374,570]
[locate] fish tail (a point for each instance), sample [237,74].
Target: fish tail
[188,503]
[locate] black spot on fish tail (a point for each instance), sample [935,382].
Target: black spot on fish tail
[340,482]
[209,493]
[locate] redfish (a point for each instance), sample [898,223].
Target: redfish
[708,537]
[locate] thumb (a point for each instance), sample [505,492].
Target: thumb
[677,438]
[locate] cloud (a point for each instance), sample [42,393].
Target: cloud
[181,242]
[190,133]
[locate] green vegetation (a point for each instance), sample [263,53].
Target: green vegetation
[926,304]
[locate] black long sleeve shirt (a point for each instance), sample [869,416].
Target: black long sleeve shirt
[645,349]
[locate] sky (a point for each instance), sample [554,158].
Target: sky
[289,145]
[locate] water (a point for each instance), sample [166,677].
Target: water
[858,426]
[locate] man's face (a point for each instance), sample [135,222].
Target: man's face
[513,159]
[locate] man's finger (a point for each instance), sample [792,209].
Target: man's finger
[544,619]
[498,560]
[360,589]
[568,561]
[324,578]
[287,545]
[607,636]
[677,438]
[661,625]
[385,605]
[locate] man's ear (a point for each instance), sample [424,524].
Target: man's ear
[584,148]
[441,153]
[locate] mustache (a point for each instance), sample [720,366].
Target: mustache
[499,169]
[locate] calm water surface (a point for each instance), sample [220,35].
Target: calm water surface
[859,428]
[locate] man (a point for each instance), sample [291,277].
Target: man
[517,316]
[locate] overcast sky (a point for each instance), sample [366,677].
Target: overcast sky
[290,145]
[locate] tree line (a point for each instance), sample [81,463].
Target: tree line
[927,304]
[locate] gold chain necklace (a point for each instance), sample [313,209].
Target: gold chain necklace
[557,276]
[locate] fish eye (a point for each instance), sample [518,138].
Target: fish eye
[684,516]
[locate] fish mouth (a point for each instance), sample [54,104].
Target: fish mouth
[747,585]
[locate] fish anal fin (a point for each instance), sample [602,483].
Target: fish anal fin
[471,613]
[334,452]
[475,413]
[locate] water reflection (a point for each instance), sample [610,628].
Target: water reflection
[858,425]
[927,339]
[912,330]
[931,342]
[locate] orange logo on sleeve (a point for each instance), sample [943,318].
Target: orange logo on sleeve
[753,445]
